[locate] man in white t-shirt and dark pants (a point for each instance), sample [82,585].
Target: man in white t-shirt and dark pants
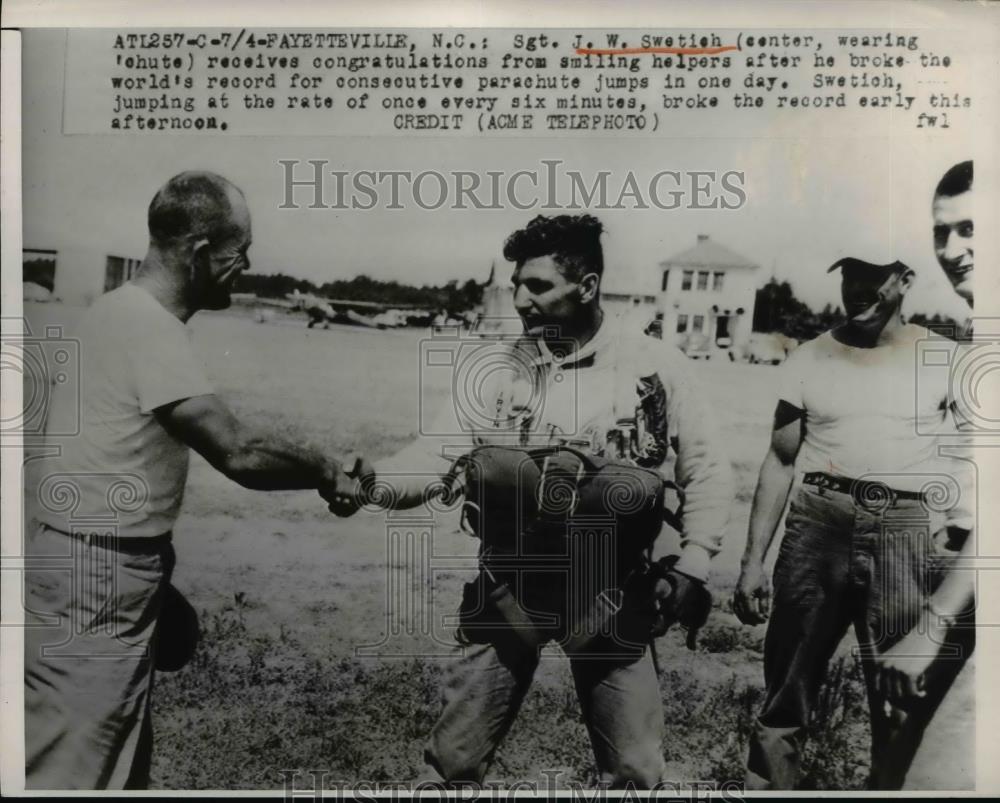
[109,497]
[864,543]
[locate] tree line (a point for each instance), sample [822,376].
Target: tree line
[778,310]
[451,296]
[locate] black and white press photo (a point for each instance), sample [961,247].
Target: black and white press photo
[541,400]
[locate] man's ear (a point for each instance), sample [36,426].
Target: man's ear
[906,280]
[589,285]
[200,249]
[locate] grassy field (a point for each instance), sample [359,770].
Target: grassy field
[287,593]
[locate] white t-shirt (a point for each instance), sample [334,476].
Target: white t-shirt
[868,411]
[123,467]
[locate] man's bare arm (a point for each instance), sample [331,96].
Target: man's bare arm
[257,460]
[774,481]
[752,599]
[902,668]
[957,591]
[408,480]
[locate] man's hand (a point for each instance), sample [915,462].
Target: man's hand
[345,491]
[752,598]
[681,599]
[901,670]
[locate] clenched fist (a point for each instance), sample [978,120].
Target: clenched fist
[752,597]
[678,599]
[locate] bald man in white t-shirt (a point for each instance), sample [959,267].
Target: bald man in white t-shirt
[108,496]
[856,450]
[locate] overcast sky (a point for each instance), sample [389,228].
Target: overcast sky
[809,202]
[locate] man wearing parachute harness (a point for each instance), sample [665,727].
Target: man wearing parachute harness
[576,433]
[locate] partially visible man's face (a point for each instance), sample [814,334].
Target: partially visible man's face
[871,296]
[544,297]
[953,240]
[226,260]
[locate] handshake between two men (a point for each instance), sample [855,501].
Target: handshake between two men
[345,491]
[667,596]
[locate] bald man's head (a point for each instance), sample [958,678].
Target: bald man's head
[199,226]
[196,205]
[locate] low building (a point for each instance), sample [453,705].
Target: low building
[78,275]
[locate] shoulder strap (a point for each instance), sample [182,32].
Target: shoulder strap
[626,375]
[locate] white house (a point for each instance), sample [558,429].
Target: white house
[702,299]
[706,298]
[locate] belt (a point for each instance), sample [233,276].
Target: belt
[861,490]
[105,540]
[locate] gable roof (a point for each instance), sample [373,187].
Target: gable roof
[707,253]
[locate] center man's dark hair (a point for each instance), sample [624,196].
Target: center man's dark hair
[193,204]
[956,181]
[573,242]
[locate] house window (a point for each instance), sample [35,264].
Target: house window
[39,267]
[717,280]
[703,280]
[666,275]
[686,279]
[682,324]
[698,324]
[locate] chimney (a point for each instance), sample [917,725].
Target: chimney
[702,238]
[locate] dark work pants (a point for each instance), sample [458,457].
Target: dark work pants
[842,563]
[619,698]
[614,676]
